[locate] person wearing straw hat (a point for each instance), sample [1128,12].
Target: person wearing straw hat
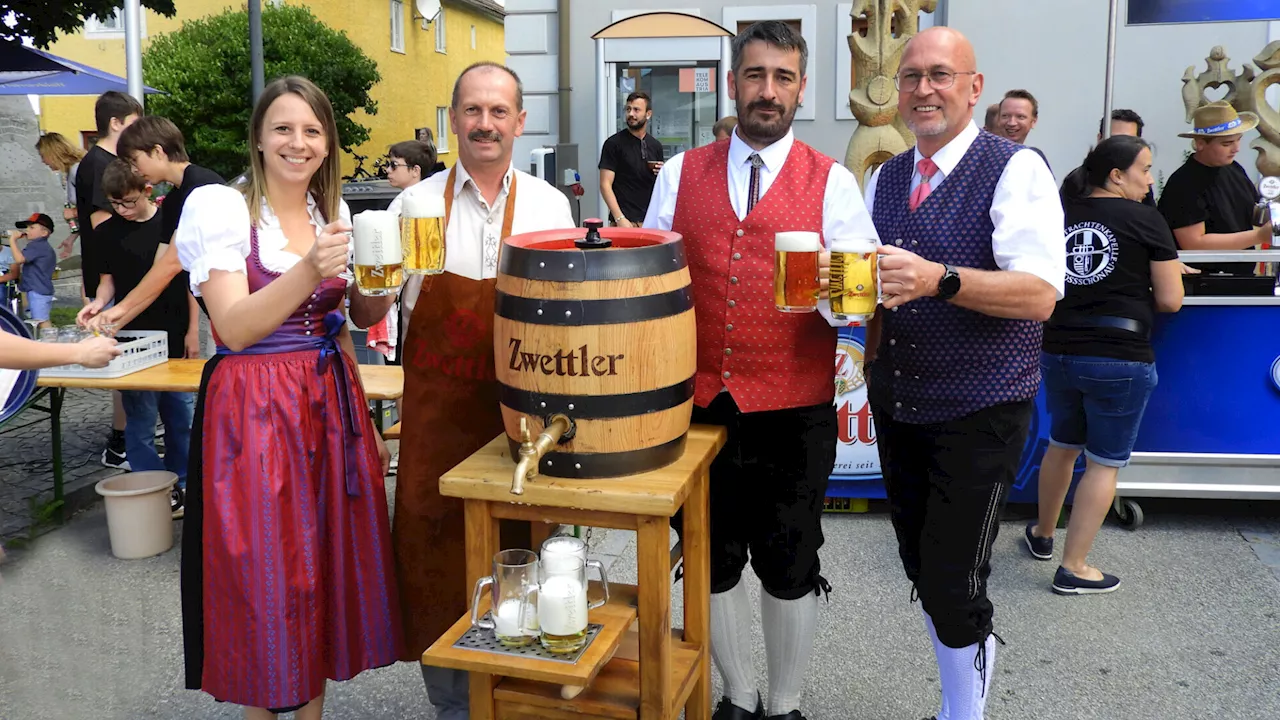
[1209,201]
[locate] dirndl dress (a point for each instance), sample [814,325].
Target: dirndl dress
[287,570]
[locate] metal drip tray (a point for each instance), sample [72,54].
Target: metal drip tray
[484,641]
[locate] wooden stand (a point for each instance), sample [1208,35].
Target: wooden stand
[673,670]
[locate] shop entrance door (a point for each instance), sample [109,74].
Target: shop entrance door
[685,99]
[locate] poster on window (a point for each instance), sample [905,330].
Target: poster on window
[1157,12]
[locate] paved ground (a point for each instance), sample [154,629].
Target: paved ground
[1194,632]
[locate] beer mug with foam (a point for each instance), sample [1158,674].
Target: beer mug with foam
[795,271]
[854,286]
[422,233]
[376,237]
[562,603]
[514,609]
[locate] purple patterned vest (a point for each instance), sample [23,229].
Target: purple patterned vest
[938,361]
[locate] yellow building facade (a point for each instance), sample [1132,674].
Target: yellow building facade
[418,61]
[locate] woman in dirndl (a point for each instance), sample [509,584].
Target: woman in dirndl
[287,576]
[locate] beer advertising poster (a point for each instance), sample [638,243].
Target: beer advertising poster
[857,460]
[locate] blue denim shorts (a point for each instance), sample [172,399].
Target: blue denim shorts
[1095,404]
[39,306]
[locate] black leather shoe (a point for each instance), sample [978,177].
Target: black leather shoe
[726,710]
[793,715]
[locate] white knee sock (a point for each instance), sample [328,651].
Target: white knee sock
[789,627]
[943,714]
[964,686]
[731,618]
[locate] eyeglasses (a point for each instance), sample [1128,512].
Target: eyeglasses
[127,204]
[394,164]
[938,79]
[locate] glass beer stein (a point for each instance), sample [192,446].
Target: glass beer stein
[562,603]
[854,286]
[514,617]
[422,233]
[376,237]
[795,271]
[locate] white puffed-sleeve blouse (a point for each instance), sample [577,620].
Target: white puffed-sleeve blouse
[213,234]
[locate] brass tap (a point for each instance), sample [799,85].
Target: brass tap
[531,452]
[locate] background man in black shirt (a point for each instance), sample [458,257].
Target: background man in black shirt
[1123,122]
[112,113]
[1209,201]
[155,149]
[629,164]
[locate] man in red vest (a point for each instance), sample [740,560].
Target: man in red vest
[765,375]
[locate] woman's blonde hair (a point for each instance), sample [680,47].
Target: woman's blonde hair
[326,184]
[55,149]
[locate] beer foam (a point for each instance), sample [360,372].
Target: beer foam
[376,237]
[421,205]
[797,241]
[853,245]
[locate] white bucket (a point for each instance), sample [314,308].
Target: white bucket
[139,518]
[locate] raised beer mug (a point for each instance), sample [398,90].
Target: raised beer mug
[854,286]
[514,606]
[795,271]
[376,236]
[562,604]
[422,233]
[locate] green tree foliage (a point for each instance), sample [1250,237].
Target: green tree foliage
[41,20]
[204,68]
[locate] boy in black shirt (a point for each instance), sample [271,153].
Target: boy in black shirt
[133,242]
[112,113]
[155,149]
[1208,202]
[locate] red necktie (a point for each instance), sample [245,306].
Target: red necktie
[927,169]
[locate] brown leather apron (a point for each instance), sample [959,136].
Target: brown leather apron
[450,411]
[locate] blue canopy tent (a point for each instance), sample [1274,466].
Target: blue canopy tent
[29,71]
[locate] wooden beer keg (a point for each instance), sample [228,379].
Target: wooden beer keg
[597,324]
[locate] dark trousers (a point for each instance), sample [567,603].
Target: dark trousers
[947,484]
[767,490]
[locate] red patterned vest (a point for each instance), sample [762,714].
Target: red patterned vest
[769,360]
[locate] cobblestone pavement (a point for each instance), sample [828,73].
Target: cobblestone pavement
[26,456]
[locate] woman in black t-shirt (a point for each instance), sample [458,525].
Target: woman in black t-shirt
[1098,367]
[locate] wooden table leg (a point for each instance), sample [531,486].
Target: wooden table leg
[482,544]
[654,571]
[697,590]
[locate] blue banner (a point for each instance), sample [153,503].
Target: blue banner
[1155,12]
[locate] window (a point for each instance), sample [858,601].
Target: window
[473,37]
[112,26]
[439,22]
[442,130]
[397,25]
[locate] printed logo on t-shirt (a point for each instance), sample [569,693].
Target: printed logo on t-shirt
[1091,253]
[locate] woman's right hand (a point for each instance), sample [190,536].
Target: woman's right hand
[96,352]
[88,313]
[328,256]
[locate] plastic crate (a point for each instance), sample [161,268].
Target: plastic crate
[141,349]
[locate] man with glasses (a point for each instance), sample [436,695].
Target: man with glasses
[629,164]
[972,263]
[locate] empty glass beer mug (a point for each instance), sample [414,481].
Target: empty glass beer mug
[854,286]
[422,233]
[795,271]
[514,584]
[378,261]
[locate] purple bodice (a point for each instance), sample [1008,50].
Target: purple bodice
[314,325]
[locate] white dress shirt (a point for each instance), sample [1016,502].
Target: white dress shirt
[475,226]
[1026,210]
[213,234]
[844,215]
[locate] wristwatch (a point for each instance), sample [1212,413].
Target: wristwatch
[949,285]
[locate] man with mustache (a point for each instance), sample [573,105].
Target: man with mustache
[629,162]
[451,394]
[972,263]
[764,374]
